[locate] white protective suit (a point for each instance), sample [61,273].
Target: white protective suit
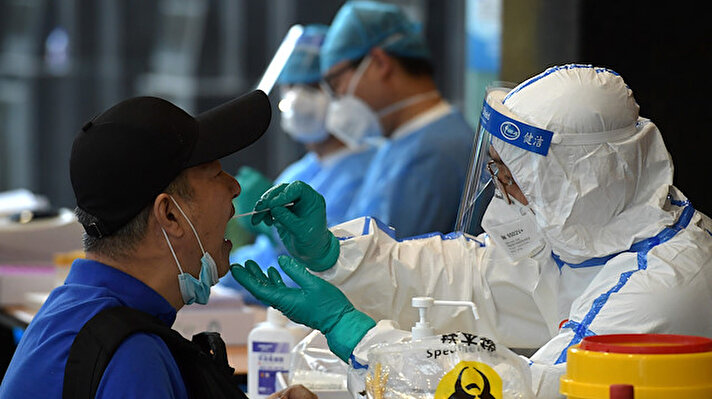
[625,251]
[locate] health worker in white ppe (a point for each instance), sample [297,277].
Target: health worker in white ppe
[376,64]
[603,242]
[334,170]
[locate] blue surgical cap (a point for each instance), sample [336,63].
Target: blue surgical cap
[302,66]
[360,26]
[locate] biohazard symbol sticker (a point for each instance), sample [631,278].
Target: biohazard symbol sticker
[470,380]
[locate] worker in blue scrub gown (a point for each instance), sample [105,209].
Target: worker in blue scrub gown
[332,168]
[377,66]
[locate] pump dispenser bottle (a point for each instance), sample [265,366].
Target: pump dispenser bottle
[422,328]
[268,352]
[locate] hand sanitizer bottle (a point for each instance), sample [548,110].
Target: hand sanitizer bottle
[268,352]
[422,328]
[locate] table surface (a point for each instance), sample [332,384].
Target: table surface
[236,354]
[237,357]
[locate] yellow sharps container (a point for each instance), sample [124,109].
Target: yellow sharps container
[648,366]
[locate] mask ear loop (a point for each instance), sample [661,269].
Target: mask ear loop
[189,223]
[327,90]
[406,102]
[356,77]
[172,251]
[367,60]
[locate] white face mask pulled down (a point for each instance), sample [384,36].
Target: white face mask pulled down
[193,290]
[303,114]
[513,228]
[352,121]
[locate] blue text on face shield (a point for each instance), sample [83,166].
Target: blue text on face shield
[514,132]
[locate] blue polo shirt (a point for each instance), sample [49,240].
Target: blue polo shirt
[142,365]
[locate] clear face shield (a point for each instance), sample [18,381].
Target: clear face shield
[294,69]
[480,183]
[487,177]
[279,60]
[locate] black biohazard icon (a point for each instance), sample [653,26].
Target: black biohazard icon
[464,392]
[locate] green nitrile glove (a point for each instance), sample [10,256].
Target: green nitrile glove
[253,184]
[302,226]
[317,304]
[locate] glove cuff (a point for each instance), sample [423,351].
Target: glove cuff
[348,332]
[330,256]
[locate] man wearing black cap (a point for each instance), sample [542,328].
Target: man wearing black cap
[154,202]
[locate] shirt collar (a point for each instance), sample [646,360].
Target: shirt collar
[434,113]
[128,289]
[336,156]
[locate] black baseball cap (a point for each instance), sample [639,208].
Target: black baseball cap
[124,157]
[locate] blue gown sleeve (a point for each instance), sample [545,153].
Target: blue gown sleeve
[418,196]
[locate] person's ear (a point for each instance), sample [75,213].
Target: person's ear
[383,64]
[167,215]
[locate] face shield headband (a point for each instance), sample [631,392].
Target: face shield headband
[500,122]
[510,130]
[479,186]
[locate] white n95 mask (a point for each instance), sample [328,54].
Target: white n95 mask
[513,228]
[349,118]
[193,290]
[352,121]
[303,114]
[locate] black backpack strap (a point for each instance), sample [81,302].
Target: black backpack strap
[95,344]
[203,363]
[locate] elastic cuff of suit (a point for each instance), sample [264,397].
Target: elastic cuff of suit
[348,332]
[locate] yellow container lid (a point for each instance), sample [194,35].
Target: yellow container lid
[656,365]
